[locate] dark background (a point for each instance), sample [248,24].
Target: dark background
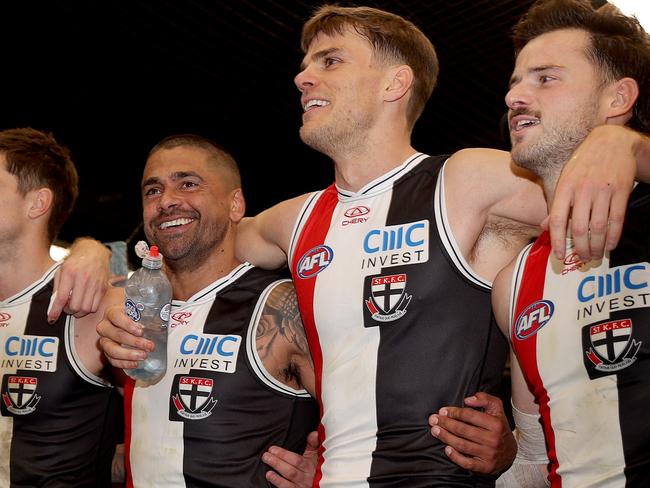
[110,79]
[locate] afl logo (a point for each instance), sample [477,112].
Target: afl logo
[314,261]
[356,211]
[533,318]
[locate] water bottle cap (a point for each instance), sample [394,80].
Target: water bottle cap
[153,260]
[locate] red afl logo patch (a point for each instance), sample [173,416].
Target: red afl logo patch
[314,261]
[533,318]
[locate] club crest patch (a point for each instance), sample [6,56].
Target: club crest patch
[192,397]
[19,394]
[609,347]
[387,299]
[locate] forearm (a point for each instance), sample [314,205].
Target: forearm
[530,468]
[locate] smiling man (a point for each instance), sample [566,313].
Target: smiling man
[238,360]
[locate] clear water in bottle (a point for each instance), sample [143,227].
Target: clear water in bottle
[148,302]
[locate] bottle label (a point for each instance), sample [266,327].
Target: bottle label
[164,313]
[132,309]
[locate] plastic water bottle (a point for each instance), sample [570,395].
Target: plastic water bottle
[148,302]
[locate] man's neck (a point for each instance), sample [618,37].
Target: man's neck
[187,280]
[355,169]
[22,266]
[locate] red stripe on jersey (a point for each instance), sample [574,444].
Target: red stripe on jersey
[129,385]
[313,234]
[531,289]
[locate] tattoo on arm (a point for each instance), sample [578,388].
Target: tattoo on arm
[281,321]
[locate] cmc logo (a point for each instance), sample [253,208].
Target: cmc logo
[533,318]
[31,346]
[395,237]
[208,344]
[314,261]
[631,277]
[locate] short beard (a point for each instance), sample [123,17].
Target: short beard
[549,154]
[331,140]
[191,255]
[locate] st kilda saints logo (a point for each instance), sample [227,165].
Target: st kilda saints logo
[609,347]
[192,398]
[19,394]
[388,299]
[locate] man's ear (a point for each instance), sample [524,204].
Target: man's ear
[399,82]
[237,205]
[39,202]
[624,95]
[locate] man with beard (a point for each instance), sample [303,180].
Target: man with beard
[238,361]
[579,328]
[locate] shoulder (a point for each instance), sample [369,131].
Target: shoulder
[471,164]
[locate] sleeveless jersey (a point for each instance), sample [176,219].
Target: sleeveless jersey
[56,426]
[581,332]
[208,421]
[398,326]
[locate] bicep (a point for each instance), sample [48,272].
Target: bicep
[263,240]
[501,298]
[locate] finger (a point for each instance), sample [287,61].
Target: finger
[59,299]
[580,221]
[469,463]
[311,451]
[86,303]
[290,458]
[119,356]
[75,298]
[598,225]
[276,480]
[558,220]
[97,299]
[461,444]
[490,404]
[616,219]
[467,417]
[285,474]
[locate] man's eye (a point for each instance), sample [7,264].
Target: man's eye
[188,184]
[330,61]
[151,191]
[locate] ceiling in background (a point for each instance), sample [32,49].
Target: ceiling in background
[110,79]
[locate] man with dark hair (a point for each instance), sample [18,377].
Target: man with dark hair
[238,363]
[57,421]
[578,328]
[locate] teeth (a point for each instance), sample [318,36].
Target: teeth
[174,223]
[525,123]
[318,103]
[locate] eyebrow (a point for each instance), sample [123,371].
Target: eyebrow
[537,69]
[319,55]
[178,175]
